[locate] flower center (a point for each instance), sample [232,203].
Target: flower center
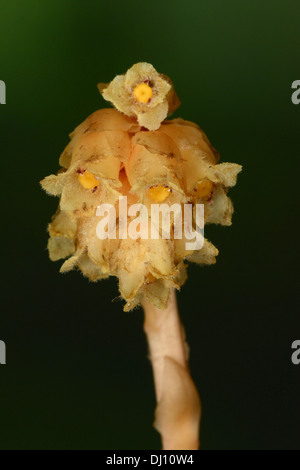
[159,193]
[204,188]
[87,179]
[143,93]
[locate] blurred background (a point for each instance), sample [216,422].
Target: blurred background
[77,373]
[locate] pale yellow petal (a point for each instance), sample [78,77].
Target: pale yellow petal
[221,209]
[70,263]
[53,184]
[131,282]
[160,257]
[206,255]
[65,157]
[188,135]
[181,277]
[138,73]
[131,304]
[152,118]
[145,169]
[78,200]
[100,251]
[117,93]
[180,247]
[90,269]
[102,120]
[157,293]
[60,248]
[63,225]
[225,173]
[109,119]
[158,142]
[102,153]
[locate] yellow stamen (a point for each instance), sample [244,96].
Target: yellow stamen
[143,93]
[159,193]
[204,188]
[88,180]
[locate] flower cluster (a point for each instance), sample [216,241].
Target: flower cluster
[116,152]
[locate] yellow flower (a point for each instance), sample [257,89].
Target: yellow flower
[142,92]
[110,156]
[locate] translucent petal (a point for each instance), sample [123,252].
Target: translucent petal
[90,269]
[145,169]
[70,263]
[158,142]
[60,248]
[109,119]
[160,257]
[157,293]
[53,184]
[153,117]
[221,209]
[99,250]
[79,200]
[225,173]
[117,93]
[102,120]
[63,225]
[102,152]
[130,282]
[188,135]
[207,254]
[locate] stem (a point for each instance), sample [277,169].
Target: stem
[177,415]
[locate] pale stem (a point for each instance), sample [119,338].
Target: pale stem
[177,416]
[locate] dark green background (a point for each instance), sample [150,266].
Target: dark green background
[77,374]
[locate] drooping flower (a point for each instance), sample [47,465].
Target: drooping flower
[111,155]
[143,93]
